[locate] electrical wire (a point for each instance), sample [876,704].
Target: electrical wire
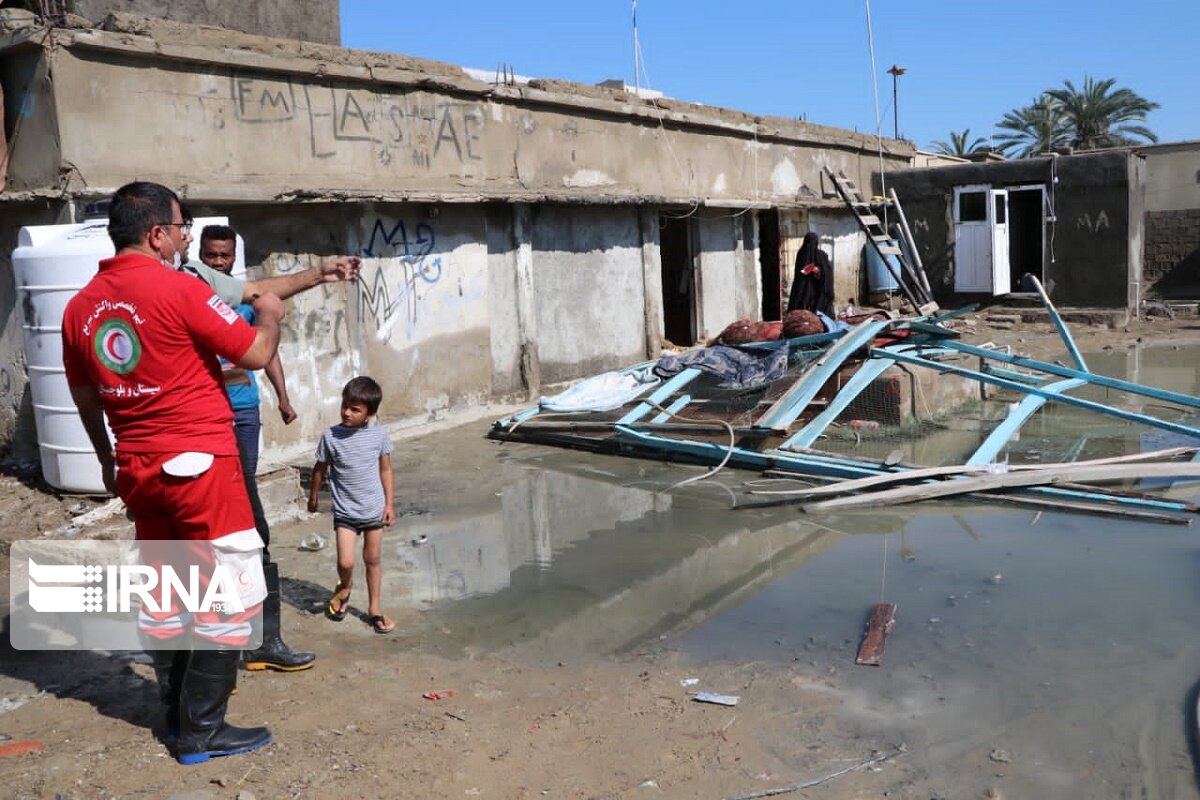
[878,117]
[686,175]
[718,467]
[639,61]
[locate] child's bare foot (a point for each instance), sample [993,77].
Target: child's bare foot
[380,623]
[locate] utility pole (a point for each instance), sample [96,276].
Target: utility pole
[896,71]
[637,81]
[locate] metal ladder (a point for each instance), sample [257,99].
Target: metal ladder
[914,288]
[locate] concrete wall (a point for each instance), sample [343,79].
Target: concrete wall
[258,126]
[1171,193]
[1171,176]
[442,317]
[588,291]
[418,320]
[30,124]
[1091,262]
[308,20]
[509,234]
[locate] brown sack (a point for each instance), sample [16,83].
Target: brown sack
[801,323]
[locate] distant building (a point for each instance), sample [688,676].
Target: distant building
[1104,228]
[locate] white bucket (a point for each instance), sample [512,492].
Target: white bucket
[50,265]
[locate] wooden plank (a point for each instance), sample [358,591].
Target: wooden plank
[919,268]
[870,652]
[1093,501]
[1085,507]
[925,473]
[1010,480]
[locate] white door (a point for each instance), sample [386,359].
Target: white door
[981,240]
[1001,272]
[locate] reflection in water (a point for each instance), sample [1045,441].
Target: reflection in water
[1066,640]
[573,565]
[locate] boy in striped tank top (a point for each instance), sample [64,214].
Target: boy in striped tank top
[355,456]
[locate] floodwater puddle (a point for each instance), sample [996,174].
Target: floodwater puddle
[1064,643]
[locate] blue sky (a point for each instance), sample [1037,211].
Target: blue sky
[967,61]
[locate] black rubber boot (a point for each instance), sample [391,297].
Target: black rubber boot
[169,667]
[203,734]
[274,652]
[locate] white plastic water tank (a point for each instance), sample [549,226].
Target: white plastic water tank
[50,265]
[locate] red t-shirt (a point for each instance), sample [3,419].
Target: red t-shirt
[147,338]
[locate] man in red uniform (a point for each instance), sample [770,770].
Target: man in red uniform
[140,345]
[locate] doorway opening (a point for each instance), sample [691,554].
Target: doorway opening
[768,264]
[678,279]
[1026,234]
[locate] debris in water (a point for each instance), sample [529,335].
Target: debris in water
[870,652]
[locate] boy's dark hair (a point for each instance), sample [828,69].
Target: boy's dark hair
[218,233]
[135,208]
[363,390]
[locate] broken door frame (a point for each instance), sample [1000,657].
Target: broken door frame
[1042,229]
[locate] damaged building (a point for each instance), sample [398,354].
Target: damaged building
[514,234]
[1107,229]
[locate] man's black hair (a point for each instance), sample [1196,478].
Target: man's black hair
[135,208]
[363,390]
[218,233]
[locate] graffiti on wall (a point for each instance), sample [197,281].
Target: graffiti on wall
[415,128]
[256,100]
[387,295]
[287,263]
[1093,224]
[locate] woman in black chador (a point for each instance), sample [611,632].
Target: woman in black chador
[812,283]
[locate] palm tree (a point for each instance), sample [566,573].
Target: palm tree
[1099,116]
[958,144]
[1037,128]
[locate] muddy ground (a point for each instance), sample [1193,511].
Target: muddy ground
[517,726]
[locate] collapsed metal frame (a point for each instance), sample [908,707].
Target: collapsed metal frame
[928,343]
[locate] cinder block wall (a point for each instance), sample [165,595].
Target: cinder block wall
[1171,263]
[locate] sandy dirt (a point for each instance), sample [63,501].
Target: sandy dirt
[357,725]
